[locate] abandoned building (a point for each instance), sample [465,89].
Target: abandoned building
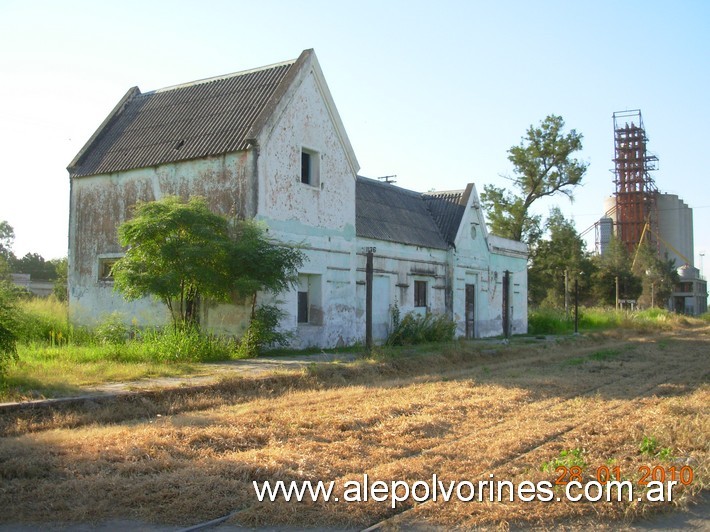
[269,144]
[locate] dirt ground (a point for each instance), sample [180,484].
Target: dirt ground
[624,399]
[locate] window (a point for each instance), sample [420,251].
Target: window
[302,307]
[310,307]
[420,293]
[105,267]
[309,167]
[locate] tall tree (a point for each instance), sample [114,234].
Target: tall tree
[544,166]
[180,252]
[562,255]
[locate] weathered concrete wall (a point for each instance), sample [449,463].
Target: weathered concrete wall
[396,267]
[320,217]
[99,204]
[481,259]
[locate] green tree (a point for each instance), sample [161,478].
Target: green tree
[544,166]
[36,266]
[61,281]
[615,264]
[180,252]
[658,276]
[563,251]
[7,237]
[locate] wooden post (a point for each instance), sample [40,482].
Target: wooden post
[506,304]
[368,300]
[576,306]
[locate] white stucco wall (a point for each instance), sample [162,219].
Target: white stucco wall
[395,268]
[320,217]
[481,259]
[99,204]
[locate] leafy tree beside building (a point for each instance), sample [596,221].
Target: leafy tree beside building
[544,166]
[181,252]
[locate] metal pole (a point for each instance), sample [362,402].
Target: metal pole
[616,281]
[566,295]
[368,301]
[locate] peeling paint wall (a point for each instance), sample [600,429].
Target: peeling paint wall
[320,217]
[99,204]
[481,259]
[395,269]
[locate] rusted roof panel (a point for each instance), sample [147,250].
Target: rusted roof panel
[390,213]
[204,118]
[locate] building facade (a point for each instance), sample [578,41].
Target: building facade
[268,144]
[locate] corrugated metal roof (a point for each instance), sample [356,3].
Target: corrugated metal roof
[447,209]
[199,119]
[390,213]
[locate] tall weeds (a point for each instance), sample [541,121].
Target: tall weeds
[554,321]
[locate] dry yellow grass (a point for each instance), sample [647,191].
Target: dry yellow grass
[184,458]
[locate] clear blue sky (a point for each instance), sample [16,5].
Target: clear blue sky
[434,92]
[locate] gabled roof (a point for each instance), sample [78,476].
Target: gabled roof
[387,212]
[203,118]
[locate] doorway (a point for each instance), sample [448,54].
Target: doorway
[470,311]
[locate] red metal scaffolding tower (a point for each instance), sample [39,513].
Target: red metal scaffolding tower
[636,191]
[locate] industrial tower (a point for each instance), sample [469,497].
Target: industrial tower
[636,191]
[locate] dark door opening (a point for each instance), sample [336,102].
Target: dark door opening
[506,305]
[470,311]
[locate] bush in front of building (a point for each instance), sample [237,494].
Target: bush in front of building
[420,329]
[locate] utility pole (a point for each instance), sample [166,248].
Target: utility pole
[576,306]
[368,299]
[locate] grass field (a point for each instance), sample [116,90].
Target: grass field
[620,398]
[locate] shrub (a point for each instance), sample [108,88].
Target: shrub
[263,332]
[417,329]
[8,327]
[185,344]
[112,330]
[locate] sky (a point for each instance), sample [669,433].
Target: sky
[432,92]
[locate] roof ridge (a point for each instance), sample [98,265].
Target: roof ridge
[221,77]
[391,186]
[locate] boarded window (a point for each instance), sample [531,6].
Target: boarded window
[420,293]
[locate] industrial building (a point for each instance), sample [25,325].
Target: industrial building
[638,212]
